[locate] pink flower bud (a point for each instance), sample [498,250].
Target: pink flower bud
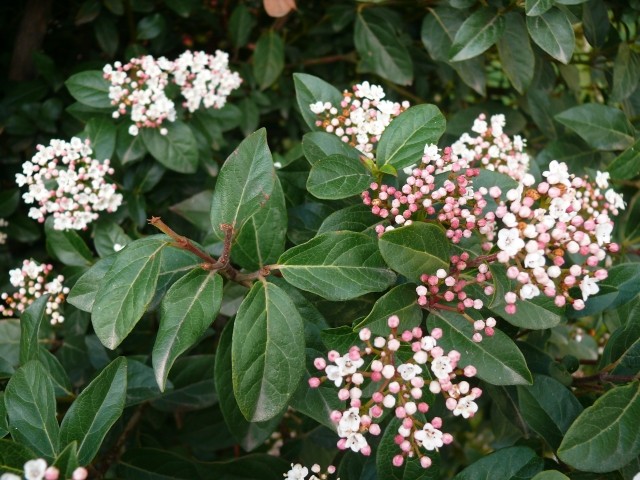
[398,460]
[320,363]
[314,382]
[393,321]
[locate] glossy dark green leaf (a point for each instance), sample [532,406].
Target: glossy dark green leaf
[549,408]
[61,383]
[337,266]
[381,51]
[553,33]
[402,142]
[517,463]
[155,464]
[478,33]
[415,249]
[595,21]
[142,385]
[605,436]
[129,148]
[245,183]
[355,218]
[623,347]
[177,150]
[109,237]
[89,88]
[626,72]
[627,164]
[537,7]
[13,456]
[31,408]
[4,426]
[268,58]
[267,352]
[601,126]
[250,434]
[150,27]
[262,238]
[131,282]
[30,322]
[83,293]
[67,246]
[516,55]
[188,308]
[196,209]
[95,410]
[550,475]
[102,133]
[241,24]
[67,461]
[400,301]
[337,176]
[106,32]
[319,145]
[184,8]
[497,358]
[310,89]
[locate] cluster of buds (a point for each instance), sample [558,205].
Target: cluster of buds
[299,472]
[38,470]
[492,149]
[139,87]
[360,118]
[441,187]
[384,376]
[3,235]
[65,181]
[32,281]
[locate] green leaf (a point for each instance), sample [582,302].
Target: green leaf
[415,249]
[61,383]
[623,348]
[402,142]
[497,358]
[250,434]
[177,150]
[90,88]
[67,246]
[605,437]
[381,51]
[549,408]
[131,282]
[106,235]
[310,89]
[400,301]
[337,266]
[106,32]
[30,322]
[95,410]
[184,8]
[102,133]
[516,55]
[319,145]
[626,72]
[4,426]
[537,7]
[67,461]
[129,148]
[262,238]
[627,164]
[550,475]
[268,59]
[196,209]
[83,293]
[142,385]
[31,408]
[150,27]
[601,126]
[355,218]
[477,34]
[241,24]
[508,463]
[267,352]
[13,456]
[155,464]
[553,33]
[595,22]
[245,183]
[337,176]
[188,308]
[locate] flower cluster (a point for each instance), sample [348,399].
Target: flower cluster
[493,149]
[139,87]
[38,470]
[3,235]
[298,472]
[33,280]
[361,116]
[65,181]
[392,374]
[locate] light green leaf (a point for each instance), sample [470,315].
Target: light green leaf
[402,142]
[605,437]
[553,33]
[508,463]
[627,164]
[83,293]
[381,51]
[95,410]
[268,59]
[497,358]
[601,126]
[337,176]
[131,282]
[310,89]
[516,55]
[31,408]
[245,183]
[67,246]
[187,310]
[400,301]
[355,218]
[177,150]
[415,249]
[90,88]
[337,266]
[478,33]
[267,352]
[319,145]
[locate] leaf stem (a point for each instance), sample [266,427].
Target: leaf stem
[183,242]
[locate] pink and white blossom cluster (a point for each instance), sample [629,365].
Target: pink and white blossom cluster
[300,472]
[394,373]
[360,118]
[139,87]
[33,280]
[38,470]
[66,182]
[3,235]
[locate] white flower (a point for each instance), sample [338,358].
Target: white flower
[408,371]
[529,291]
[349,422]
[9,476]
[557,173]
[602,179]
[466,407]
[588,287]
[603,233]
[509,241]
[34,469]
[317,107]
[297,472]
[429,437]
[615,199]
[441,367]
[356,442]
[534,259]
